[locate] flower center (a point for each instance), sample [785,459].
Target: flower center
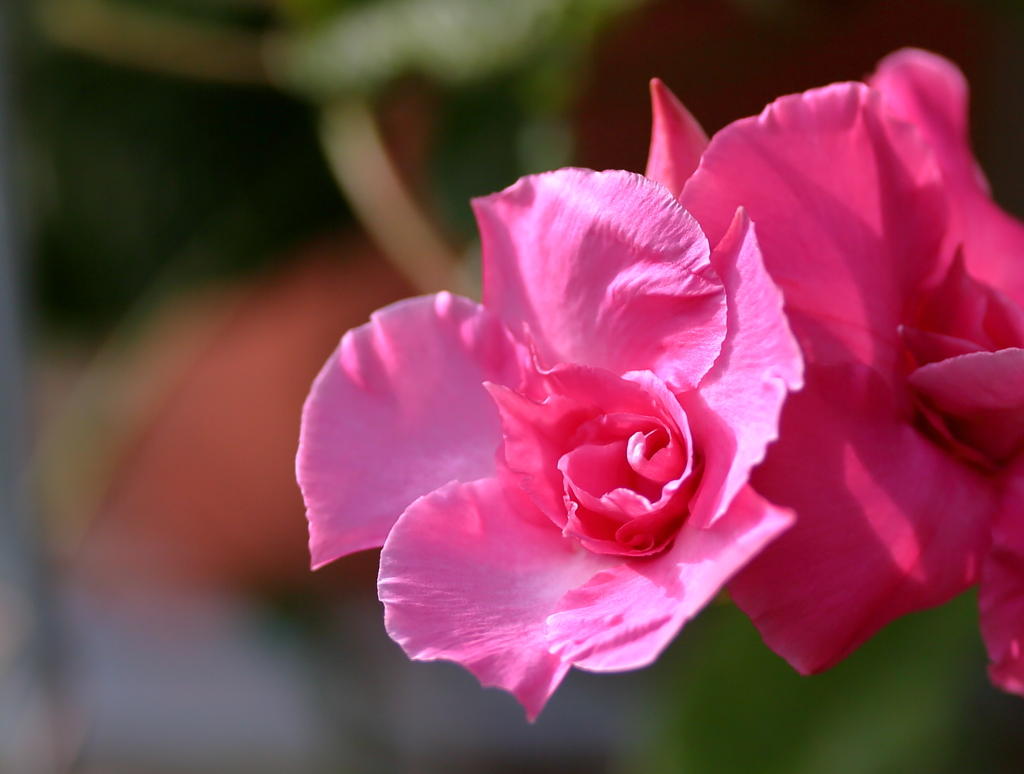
[628,480]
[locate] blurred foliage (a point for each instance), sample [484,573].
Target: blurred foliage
[905,703]
[485,141]
[474,150]
[365,45]
[508,74]
[247,14]
[140,180]
[141,177]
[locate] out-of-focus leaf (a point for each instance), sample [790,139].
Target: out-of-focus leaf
[728,704]
[450,41]
[474,151]
[155,40]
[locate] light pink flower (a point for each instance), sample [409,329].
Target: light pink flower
[558,477]
[904,284]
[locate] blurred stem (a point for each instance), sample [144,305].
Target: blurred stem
[369,179]
[352,142]
[129,36]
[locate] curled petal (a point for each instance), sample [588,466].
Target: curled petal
[625,616]
[849,209]
[470,575]
[981,395]
[931,93]
[677,140]
[961,307]
[760,363]
[546,448]
[606,270]
[398,410]
[927,347]
[887,523]
[535,435]
[537,432]
[975,382]
[1001,598]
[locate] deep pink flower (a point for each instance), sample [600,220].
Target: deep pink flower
[904,284]
[559,476]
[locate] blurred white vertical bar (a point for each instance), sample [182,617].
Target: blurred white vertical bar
[30,740]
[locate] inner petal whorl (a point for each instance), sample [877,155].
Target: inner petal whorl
[629,482]
[656,455]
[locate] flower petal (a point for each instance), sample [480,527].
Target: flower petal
[580,401]
[849,211]
[1001,598]
[625,616]
[927,347]
[760,363]
[677,140]
[962,308]
[931,93]
[535,435]
[977,381]
[887,523]
[470,575]
[981,395]
[398,410]
[606,270]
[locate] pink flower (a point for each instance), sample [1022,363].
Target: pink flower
[903,282]
[557,477]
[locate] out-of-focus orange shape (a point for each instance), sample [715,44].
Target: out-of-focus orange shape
[205,493]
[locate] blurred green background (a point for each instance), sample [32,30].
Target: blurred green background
[198,191]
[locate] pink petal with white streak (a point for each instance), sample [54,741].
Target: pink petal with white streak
[398,410]
[606,270]
[625,616]
[759,365]
[470,575]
